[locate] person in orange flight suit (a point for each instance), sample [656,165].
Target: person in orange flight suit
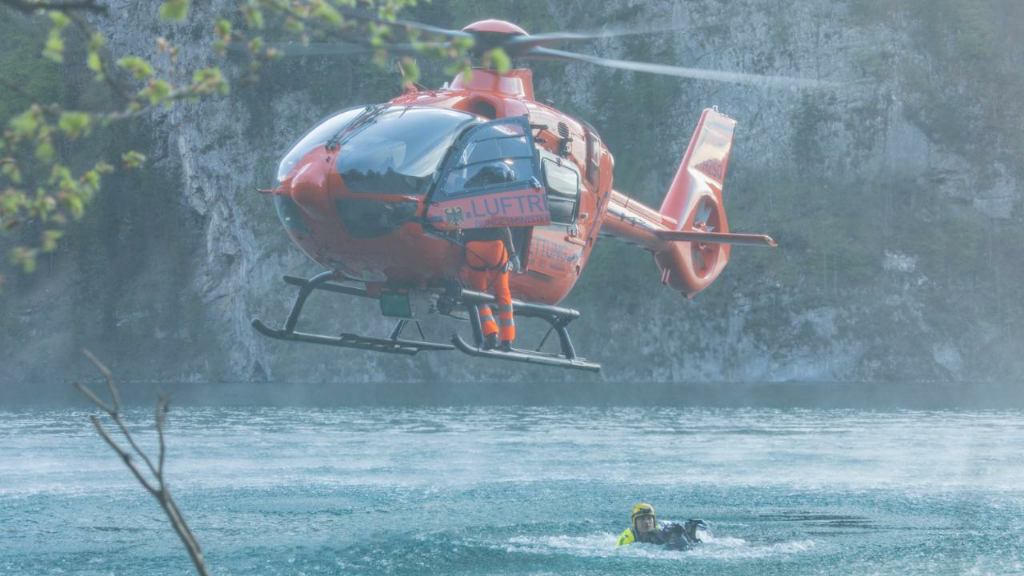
[490,256]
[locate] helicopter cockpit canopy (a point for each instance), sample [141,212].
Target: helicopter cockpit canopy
[316,136]
[385,149]
[389,149]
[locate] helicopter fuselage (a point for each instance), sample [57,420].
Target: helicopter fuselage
[380,194]
[367,193]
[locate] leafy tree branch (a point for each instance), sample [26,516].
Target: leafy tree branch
[38,184]
[30,6]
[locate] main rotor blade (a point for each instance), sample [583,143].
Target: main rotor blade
[317,49]
[520,44]
[342,48]
[360,15]
[513,44]
[678,71]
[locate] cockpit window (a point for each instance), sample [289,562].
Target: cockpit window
[496,153]
[317,136]
[399,150]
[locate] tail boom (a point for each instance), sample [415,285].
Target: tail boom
[689,235]
[635,223]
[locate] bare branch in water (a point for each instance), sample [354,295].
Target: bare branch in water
[155,486]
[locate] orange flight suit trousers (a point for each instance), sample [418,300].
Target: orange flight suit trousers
[486,261]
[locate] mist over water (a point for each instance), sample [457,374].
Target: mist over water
[514,490]
[594,393]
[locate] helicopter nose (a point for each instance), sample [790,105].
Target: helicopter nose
[309,186]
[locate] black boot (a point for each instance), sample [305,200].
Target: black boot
[491,342]
[505,346]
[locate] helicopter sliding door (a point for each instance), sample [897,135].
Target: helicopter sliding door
[556,250]
[491,180]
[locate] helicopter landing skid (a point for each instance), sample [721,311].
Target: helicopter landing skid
[528,356]
[556,316]
[392,345]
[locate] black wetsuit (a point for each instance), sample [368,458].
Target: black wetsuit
[672,536]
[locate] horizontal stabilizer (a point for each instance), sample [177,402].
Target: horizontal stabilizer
[715,238]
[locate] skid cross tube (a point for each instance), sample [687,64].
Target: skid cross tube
[398,329]
[476,324]
[304,291]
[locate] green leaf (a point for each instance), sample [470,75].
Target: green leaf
[206,75]
[174,9]
[44,203]
[91,178]
[12,172]
[44,151]
[93,62]
[387,11]
[74,124]
[24,257]
[460,67]
[500,60]
[59,19]
[253,15]
[207,80]
[138,67]
[59,173]
[11,202]
[328,14]
[54,48]
[378,34]
[132,159]
[293,26]
[158,91]
[50,238]
[25,124]
[96,42]
[75,205]
[223,29]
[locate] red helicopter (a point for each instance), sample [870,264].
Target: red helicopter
[378,195]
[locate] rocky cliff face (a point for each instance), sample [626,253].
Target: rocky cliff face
[896,201]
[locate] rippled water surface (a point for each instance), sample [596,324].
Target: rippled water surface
[520,491]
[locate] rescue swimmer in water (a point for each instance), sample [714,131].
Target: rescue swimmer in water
[645,528]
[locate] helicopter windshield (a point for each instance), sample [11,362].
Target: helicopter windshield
[399,149]
[317,136]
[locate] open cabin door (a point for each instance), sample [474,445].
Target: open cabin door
[491,180]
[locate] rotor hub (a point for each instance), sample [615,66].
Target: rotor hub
[495,27]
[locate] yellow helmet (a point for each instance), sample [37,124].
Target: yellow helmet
[641,509]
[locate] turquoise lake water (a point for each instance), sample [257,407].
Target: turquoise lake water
[520,491]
